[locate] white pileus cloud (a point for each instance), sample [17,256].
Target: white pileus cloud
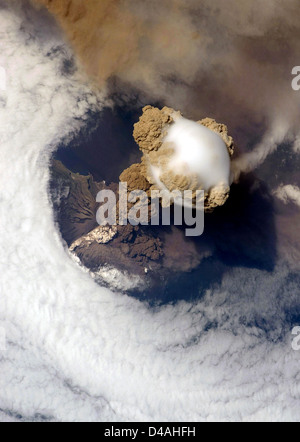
[201,151]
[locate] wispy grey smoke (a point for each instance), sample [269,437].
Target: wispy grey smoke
[288,193]
[76,351]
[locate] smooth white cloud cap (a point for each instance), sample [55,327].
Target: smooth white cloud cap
[199,150]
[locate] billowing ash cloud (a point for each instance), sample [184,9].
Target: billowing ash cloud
[76,351]
[230,63]
[180,155]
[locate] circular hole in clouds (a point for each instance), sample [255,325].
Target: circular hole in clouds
[76,351]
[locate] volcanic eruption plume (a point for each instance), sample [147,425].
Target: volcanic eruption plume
[181,155]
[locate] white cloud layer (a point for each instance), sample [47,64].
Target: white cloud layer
[76,351]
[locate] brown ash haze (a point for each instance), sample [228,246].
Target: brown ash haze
[212,341]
